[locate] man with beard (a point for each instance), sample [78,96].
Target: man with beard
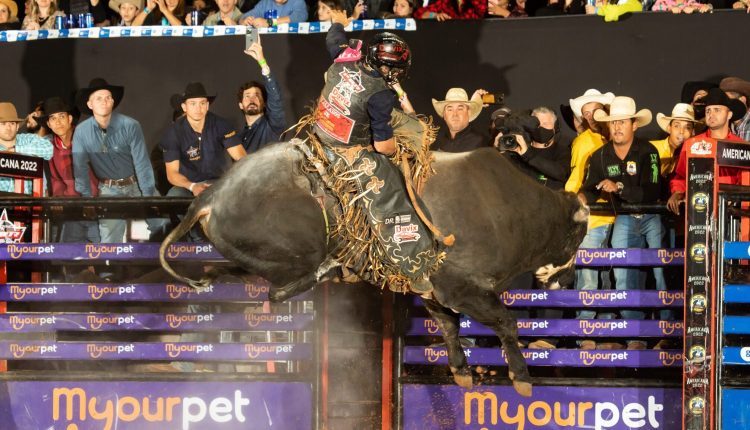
[261,104]
[720,110]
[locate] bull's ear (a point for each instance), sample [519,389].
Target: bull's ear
[582,214]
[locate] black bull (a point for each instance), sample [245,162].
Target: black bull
[262,217]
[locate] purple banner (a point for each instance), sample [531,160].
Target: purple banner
[252,292]
[35,322]
[550,357]
[559,327]
[630,257]
[449,407]
[206,251]
[600,298]
[106,251]
[155,405]
[41,350]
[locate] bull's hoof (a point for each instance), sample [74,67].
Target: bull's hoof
[463,378]
[522,388]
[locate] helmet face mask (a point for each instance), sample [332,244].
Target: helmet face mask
[391,51]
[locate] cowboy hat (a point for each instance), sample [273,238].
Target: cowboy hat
[12,7]
[568,116]
[623,108]
[736,85]
[96,84]
[691,87]
[458,95]
[52,106]
[195,90]
[681,111]
[115,4]
[590,96]
[8,113]
[717,97]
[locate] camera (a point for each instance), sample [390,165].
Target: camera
[507,142]
[493,98]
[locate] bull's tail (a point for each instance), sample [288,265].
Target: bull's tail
[193,215]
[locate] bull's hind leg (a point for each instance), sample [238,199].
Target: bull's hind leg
[282,293]
[448,322]
[487,308]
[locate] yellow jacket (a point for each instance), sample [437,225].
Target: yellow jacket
[580,151]
[666,155]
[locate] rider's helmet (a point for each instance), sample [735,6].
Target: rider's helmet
[388,49]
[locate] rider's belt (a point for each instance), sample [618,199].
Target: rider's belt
[118,182]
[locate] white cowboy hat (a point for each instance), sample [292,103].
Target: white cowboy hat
[458,95]
[681,111]
[624,108]
[590,96]
[115,4]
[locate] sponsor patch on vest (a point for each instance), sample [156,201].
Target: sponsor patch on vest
[406,233]
[334,123]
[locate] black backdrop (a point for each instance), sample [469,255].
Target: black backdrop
[534,61]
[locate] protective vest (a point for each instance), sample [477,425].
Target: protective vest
[341,117]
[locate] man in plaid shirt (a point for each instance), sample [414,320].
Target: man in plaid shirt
[739,89]
[26,144]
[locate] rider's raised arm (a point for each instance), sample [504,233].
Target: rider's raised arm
[336,40]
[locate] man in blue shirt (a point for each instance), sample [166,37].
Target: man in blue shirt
[286,11]
[261,105]
[198,146]
[113,146]
[26,144]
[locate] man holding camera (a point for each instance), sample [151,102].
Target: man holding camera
[457,110]
[625,169]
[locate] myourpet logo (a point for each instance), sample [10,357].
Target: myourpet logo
[175,251]
[510,298]
[96,322]
[670,327]
[19,292]
[589,297]
[17,251]
[588,255]
[19,351]
[176,320]
[18,322]
[431,325]
[97,292]
[590,326]
[434,354]
[542,414]
[588,358]
[254,290]
[669,297]
[177,291]
[95,251]
[97,350]
[667,256]
[174,350]
[80,406]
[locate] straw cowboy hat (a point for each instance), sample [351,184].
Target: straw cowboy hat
[736,85]
[96,84]
[458,95]
[624,108]
[8,113]
[681,111]
[12,7]
[115,4]
[590,96]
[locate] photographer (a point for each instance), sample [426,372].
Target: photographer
[532,142]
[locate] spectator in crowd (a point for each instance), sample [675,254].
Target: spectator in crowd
[228,14]
[599,227]
[559,7]
[196,145]
[504,9]
[41,15]
[113,146]
[739,89]
[626,169]
[9,15]
[612,10]
[162,12]
[97,8]
[442,10]
[457,110]
[681,6]
[741,4]
[401,9]
[127,9]
[693,93]
[720,109]
[21,143]
[680,126]
[326,6]
[286,10]
[58,117]
[32,123]
[261,106]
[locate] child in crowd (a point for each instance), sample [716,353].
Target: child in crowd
[127,9]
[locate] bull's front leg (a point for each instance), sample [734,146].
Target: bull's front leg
[449,324]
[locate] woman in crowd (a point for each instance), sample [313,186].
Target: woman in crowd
[9,15]
[401,9]
[162,12]
[326,6]
[41,15]
[127,9]
[443,10]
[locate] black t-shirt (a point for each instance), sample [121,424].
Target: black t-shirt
[467,139]
[639,173]
[202,156]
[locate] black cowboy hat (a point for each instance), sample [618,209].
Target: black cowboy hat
[690,88]
[566,112]
[195,90]
[96,84]
[717,97]
[52,106]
